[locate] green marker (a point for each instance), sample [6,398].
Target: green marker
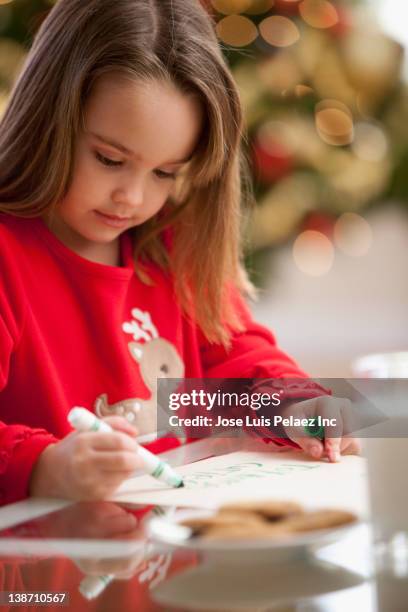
[315,430]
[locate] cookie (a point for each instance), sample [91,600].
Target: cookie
[244,532]
[272,519]
[225,519]
[318,519]
[269,510]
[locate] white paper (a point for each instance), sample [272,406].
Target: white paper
[258,475]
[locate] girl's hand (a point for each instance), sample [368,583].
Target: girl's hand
[122,568]
[87,465]
[108,520]
[334,444]
[91,520]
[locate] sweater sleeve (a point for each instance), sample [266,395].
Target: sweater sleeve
[254,354]
[20,446]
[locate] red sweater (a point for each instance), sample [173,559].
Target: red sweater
[79,333]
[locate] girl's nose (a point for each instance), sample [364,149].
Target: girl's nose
[129,194]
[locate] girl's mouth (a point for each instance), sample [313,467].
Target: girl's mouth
[112,221]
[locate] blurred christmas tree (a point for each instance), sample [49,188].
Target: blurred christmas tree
[326,109]
[326,112]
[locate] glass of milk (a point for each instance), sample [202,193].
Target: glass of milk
[386,446]
[387,460]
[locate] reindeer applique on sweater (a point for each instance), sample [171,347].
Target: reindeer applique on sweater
[156,358]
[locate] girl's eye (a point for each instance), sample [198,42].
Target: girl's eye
[113,163]
[106,161]
[165,175]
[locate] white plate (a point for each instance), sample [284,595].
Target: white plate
[165,530]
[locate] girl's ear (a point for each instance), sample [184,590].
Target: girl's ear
[136,350]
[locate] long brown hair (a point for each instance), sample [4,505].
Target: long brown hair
[144,39]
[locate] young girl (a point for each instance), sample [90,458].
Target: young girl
[120,188]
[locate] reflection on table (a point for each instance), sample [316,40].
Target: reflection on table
[99,554]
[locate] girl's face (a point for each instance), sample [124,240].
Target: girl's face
[136,139]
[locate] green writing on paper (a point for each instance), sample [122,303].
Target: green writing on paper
[241,472]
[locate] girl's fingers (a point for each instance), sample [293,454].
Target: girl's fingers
[108,528]
[115,462]
[122,525]
[121,424]
[332,448]
[311,446]
[348,415]
[95,567]
[113,441]
[337,412]
[330,409]
[350,446]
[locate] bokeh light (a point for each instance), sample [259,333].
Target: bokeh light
[279,31]
[373,63]
[313,253]
[236,7]
[279,73]
[303,90]
[370,142]
[334,122]
[236,30]
[353,234]
[257,7]
[356,181]
[274,146]
[231,7]
[282,209]
[272,133]
[318,13]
